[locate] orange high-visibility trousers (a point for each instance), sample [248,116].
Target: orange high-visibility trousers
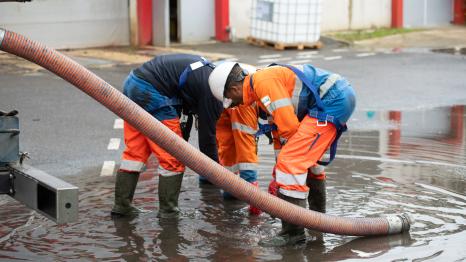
[139,147]
[300,153]
[236,129]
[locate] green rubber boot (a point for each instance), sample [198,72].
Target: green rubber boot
[317,195]
[125,185]
[169,191]
[290,234]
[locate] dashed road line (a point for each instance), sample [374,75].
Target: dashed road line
[270,56]
[365,54]
[340,50]
[271,60]
[307,56]
[328,58]
[114,144]
[107,168]
[118,124]
[308,53]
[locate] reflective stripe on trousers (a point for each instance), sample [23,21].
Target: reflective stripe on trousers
[164,172]
[301,152]
[242,166]
[131,165]
[139,147]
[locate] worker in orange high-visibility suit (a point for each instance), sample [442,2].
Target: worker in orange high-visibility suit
[164,86]
[236,140]
[309,107]
[237,149]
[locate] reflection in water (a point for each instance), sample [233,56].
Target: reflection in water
[126,229]
[170,240]
[389,163]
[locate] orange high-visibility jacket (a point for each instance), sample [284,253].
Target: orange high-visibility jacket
[273,90]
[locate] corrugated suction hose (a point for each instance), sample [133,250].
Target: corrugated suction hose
[114,100]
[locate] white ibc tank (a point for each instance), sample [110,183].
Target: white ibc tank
[286,21]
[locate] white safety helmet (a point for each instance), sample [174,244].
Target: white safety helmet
[218,79]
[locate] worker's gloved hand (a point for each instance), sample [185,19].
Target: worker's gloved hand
[252,209]
[273,187]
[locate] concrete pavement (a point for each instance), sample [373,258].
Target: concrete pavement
[436,38]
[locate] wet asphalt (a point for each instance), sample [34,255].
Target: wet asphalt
[405,152]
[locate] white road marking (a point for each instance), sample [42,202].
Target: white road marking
[118,124]
[270,56]
[114,144]
[340,50]
[271,60]
[365,54]
[308,56]
[308,53]
[300,62]
[107,168]
[332,58]
[232,59]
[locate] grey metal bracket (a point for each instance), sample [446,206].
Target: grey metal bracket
[48,195]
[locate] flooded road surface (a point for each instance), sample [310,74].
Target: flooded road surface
[389,163]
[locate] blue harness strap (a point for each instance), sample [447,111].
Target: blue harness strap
[265,128]
[319,114]
[196,65]
[333,147]
[300,74]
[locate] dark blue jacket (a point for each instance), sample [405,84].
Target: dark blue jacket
[164,71]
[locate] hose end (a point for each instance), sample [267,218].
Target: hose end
[399,223]
[2,35]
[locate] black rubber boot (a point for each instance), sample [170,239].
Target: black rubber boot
[317,194]
[169,191]
[125,185]
[290,234]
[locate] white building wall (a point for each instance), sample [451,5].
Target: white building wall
[335,15]
[370,13]
[69,23]
[240,17]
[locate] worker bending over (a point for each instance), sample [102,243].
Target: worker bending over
[165,86]
[309,107]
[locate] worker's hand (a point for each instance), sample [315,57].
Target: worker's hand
[273,187]
[269,136]
[255,211]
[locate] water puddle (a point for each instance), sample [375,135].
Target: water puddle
[389,163]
